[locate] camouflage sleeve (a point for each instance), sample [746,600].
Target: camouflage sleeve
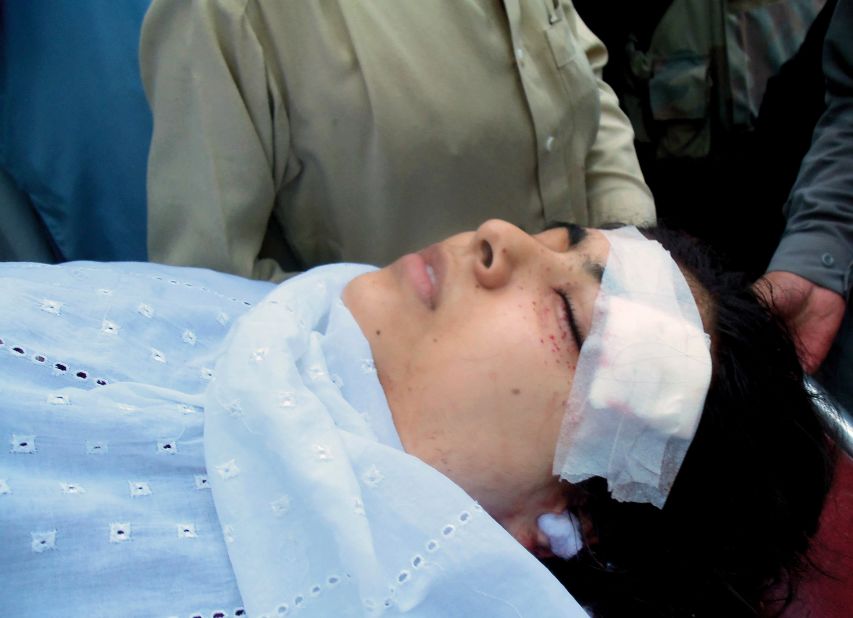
[818,240]
[616,190]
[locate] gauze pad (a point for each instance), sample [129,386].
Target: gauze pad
[563,532]
[641,378]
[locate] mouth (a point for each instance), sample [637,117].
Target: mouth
[424,272]
[435,271]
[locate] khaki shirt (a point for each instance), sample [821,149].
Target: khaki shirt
[295,133]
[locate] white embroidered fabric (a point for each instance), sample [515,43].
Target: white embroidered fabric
[641,379]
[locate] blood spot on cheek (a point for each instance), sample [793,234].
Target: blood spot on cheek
[516,391]
[555,347]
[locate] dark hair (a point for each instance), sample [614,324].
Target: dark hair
[751,489]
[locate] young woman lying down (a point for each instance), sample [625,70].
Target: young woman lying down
[417,440]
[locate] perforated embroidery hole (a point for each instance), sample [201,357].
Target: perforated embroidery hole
[206,373]
[109,328]
[96,447]
[464,517]
[358,505]
[280,506]
[58,400]
[4,488]
[39,358]
[82,375]
[189,337]
[201,482]
[432,545]
[417,561]
[60,367]
[146,311]
[228,470]
[219,615]
[51,306]
[139,488]
[322,452]
[158,356]
[316,589]
[403,577]
[18,350]
[239,612]
[282,610]
[24,444]
[119,532]
[169,447]
[71,488]
[448,530]
[372,476]
[43,541]
[298,600]
[187,531]
[101,382]
[333,580]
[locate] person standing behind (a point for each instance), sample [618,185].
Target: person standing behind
[811,273]
[291,134]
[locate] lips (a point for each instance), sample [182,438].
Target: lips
[424,270]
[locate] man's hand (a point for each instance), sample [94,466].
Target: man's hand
[812,313]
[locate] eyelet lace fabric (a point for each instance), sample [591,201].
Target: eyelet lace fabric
[104,504]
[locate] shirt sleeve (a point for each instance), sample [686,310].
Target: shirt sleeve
[219,122]
[616,189]
[818,240]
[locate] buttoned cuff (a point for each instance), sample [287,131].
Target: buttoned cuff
[824,260]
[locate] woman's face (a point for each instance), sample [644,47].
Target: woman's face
[475,341]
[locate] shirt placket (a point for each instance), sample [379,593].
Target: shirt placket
[546,104]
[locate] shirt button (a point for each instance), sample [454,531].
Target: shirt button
[549,143]
[827,259]
[519,55]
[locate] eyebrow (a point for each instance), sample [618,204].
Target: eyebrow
[577,235]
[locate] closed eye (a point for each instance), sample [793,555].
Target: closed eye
[570,318]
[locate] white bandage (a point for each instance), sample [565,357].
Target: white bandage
[563,532]
[641,378]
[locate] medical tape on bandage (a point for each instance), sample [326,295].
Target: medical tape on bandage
[641,378]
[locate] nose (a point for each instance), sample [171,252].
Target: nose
[499,247]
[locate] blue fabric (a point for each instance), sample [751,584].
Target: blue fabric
[104,504]
[74,123]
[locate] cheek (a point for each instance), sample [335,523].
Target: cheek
[507,360]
